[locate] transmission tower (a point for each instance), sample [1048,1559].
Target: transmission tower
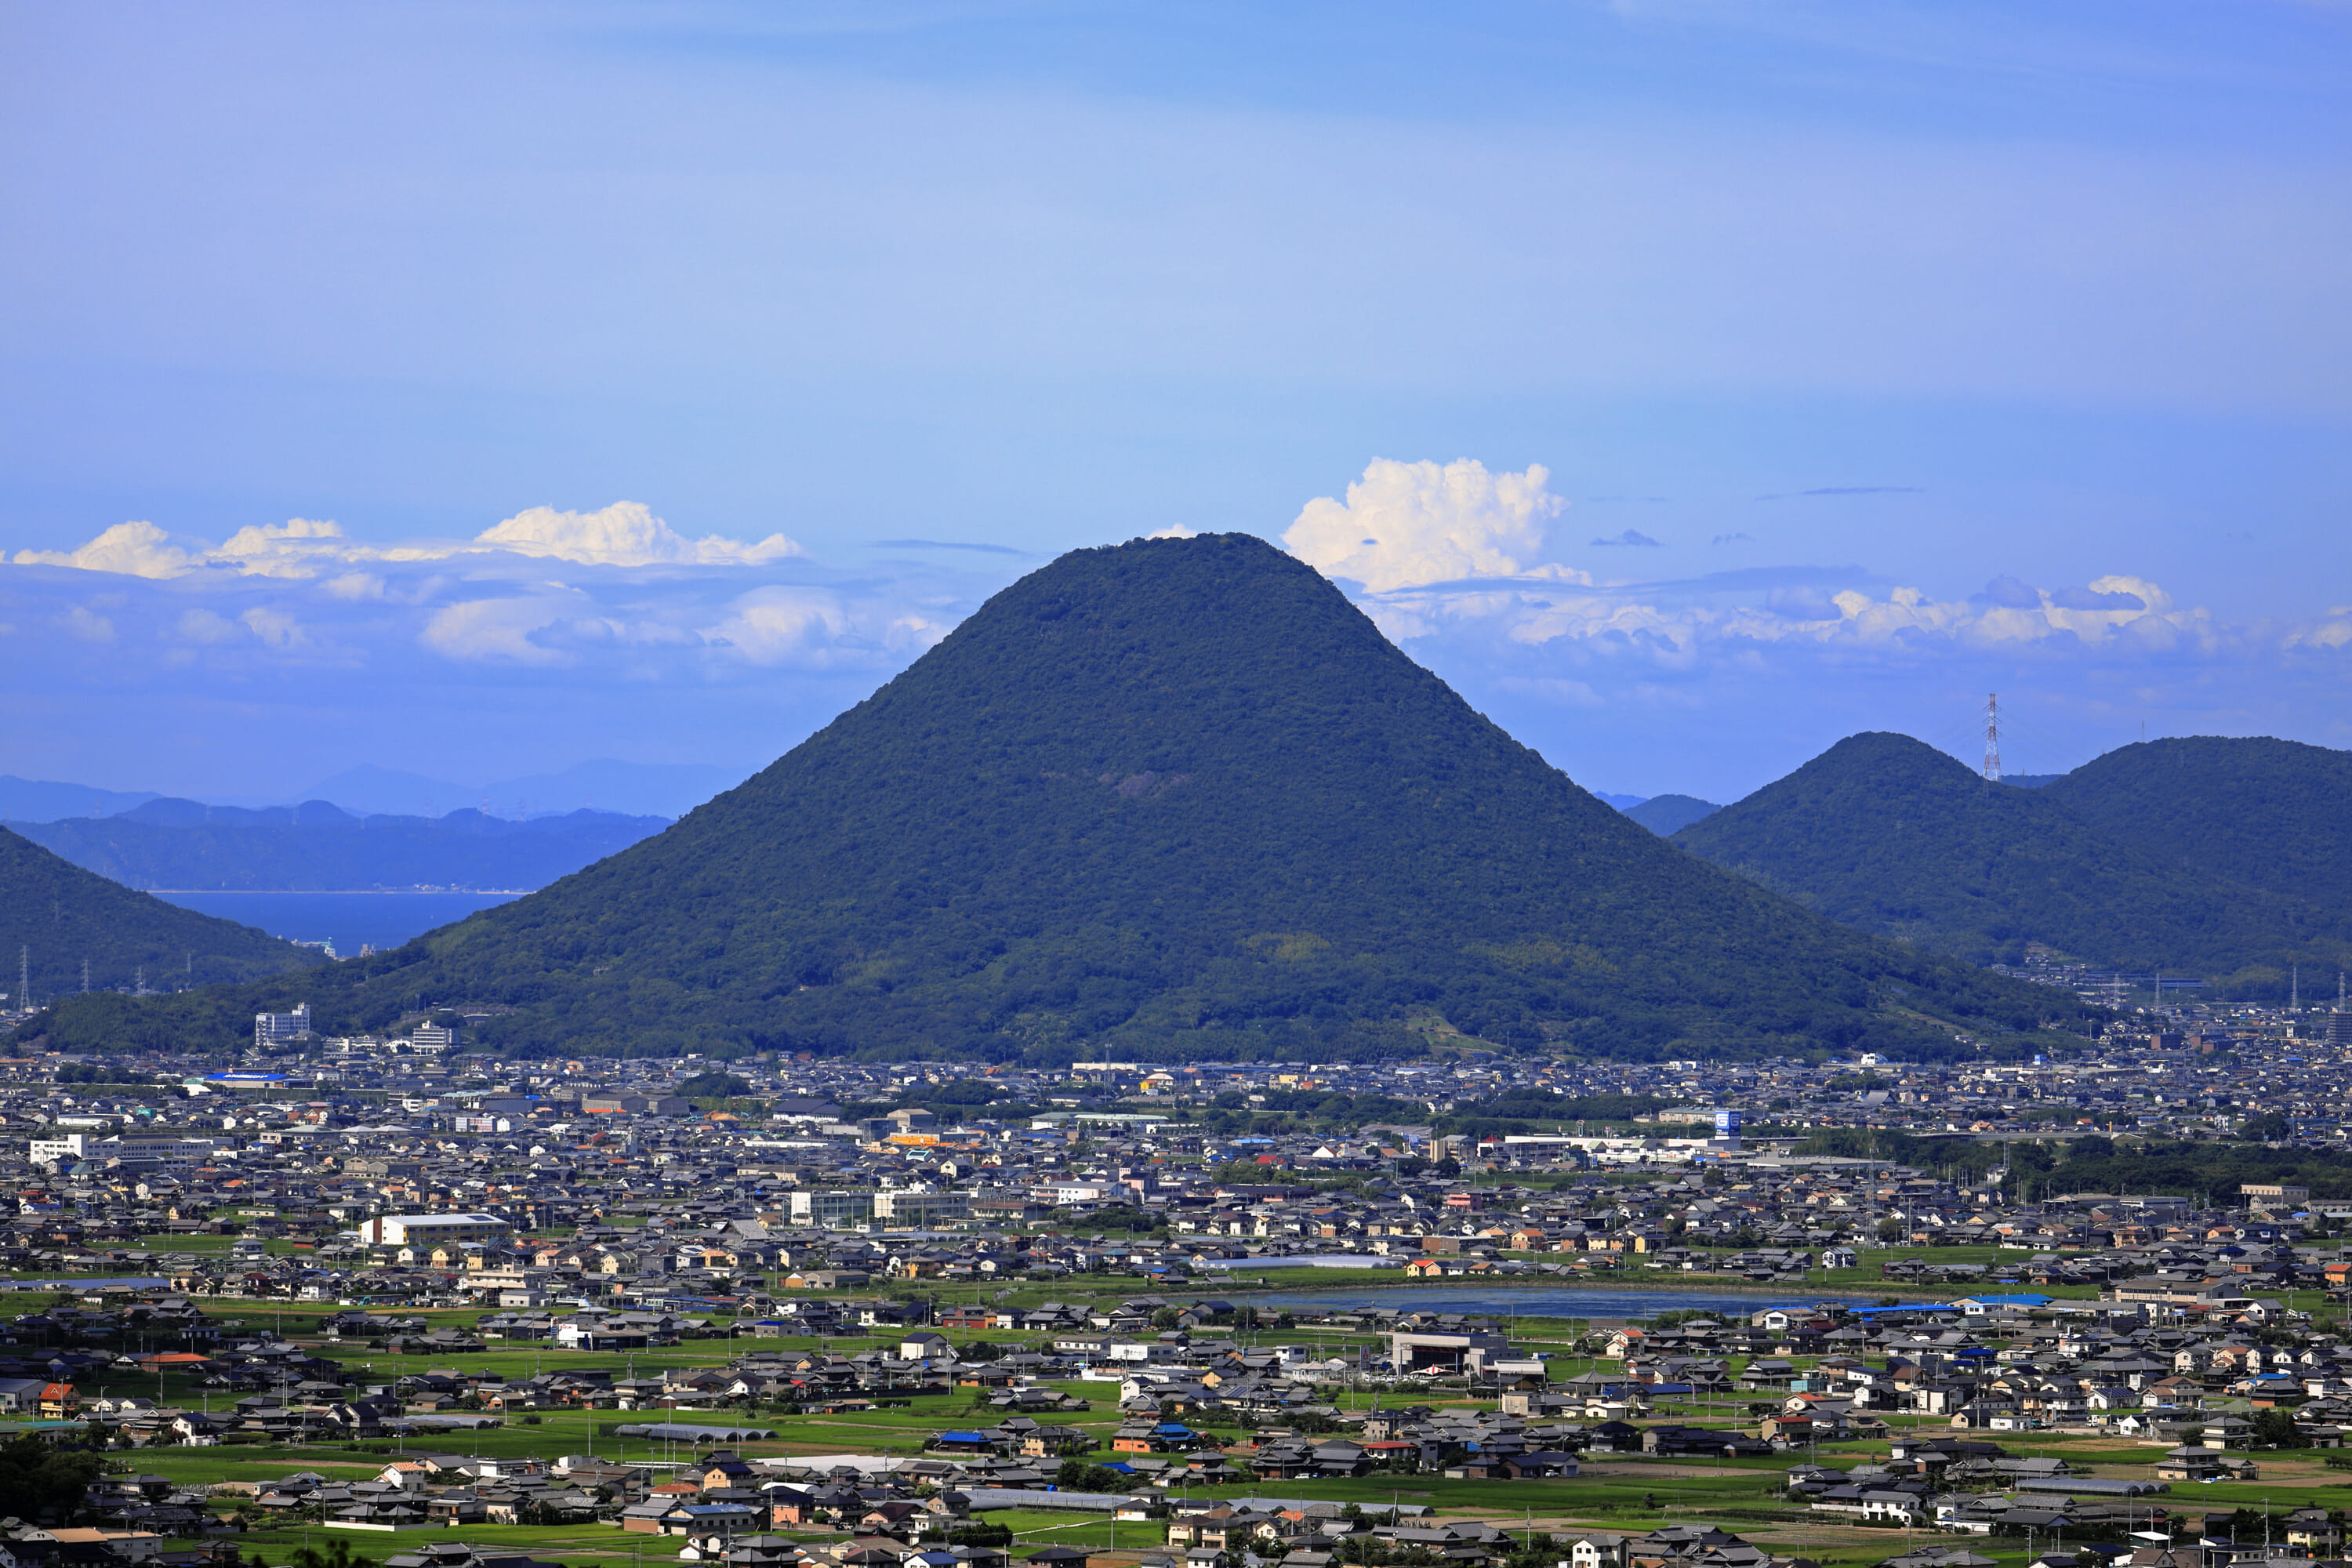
[1992,738]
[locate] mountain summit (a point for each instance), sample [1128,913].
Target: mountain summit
[1892,836]
[1175,796]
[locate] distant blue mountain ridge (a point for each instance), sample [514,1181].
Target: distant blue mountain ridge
[603,785]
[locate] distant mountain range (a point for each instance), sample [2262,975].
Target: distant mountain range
[55,917]
[186,846]
[1177,798]
[1669,814]
[628,789]
[634,789]
[2228,859]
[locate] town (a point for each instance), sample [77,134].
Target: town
[1471,1307]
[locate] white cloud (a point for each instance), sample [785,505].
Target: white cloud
[356,585]
[128,549]
[816,628]
[770,625]
[292,549]
[1678,624]
[496,631]
[626,533]
[1405,524]
[88,625]
[205,627]
[276,629]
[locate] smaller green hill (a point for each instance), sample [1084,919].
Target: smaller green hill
[1888,835]
[2267,813]
[1667,815]
[54,915]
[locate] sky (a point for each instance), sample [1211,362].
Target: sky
[481,389]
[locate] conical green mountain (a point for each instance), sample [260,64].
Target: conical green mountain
[54,916]
[2267,813]
[1175,798]
[1887,834]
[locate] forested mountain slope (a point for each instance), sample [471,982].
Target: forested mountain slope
[1177,797]
[1889,835]
[2268,812]
[54,915]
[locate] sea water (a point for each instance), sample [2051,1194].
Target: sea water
[376,920]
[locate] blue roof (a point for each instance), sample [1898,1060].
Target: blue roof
[963,1438]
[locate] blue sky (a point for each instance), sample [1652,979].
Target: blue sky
[1723,378]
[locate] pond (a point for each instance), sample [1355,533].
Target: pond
[1555,1301]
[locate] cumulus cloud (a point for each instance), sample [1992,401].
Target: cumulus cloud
[2010,594]
[1632,537]
[770,625]
[1680,623]
[1406,524]
[809,626]
[206,627]
[88,625]
[291,549]
[276,629]
[626,533]
[2092,599]
[496,631]
[128,549]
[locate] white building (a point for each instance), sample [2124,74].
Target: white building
[836,1211]
[918,1208]
[270,1027]
[56,1150]
[434,1229]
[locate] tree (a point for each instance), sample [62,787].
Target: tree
[38,1479]
[713,1086]
[1079,1476]
[2270,1127]
[2276,1429]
